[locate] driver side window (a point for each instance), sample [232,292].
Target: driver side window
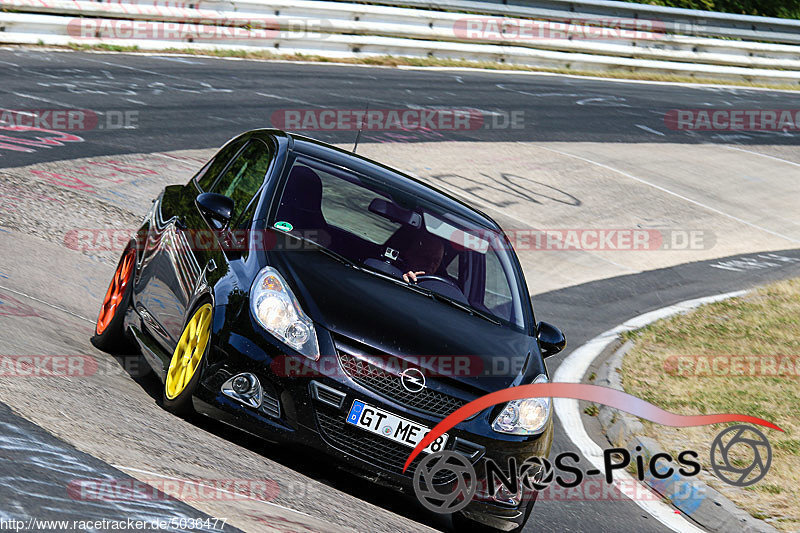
[244,177]
[208,175]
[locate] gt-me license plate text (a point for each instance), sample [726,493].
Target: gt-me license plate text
[392,426]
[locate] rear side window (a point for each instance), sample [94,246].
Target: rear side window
[205,178]
[244,177]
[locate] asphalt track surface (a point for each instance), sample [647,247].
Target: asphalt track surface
[46,487]
[191,102]
[187,103]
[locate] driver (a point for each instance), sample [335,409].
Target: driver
[423,256]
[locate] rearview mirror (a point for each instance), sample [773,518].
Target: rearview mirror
[551,339]
[395,213]
[217,209]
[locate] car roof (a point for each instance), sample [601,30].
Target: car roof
[321,150]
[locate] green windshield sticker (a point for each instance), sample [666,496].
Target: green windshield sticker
[283,226]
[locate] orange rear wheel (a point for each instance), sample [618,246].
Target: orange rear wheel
[116,291]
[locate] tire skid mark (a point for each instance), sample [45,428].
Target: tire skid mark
[49,466]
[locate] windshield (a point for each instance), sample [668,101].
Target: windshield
[387,230]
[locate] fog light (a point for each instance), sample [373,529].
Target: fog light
[244,388]
[242,384]
[502,495]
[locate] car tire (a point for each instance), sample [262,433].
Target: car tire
[110,335]
[189,356]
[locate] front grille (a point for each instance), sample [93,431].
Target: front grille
[370,448]
[270,406]
[389,386]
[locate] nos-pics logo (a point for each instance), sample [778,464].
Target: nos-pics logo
[446,481]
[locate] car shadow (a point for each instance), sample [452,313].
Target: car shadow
[311,465]
[140,372]
[319,468]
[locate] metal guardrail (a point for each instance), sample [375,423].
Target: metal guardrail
[413,24]
[338,29]
[677,20]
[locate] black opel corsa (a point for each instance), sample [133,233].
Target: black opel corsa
[309,295]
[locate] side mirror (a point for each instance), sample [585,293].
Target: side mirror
[217,209]
[551,339]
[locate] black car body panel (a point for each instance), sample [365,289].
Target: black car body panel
[355,313]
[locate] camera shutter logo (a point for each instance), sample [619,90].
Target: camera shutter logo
[459,493]
[734,439]
[536,473]
[412,380]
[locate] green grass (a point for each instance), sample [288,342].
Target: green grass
[764,323]
[784,9]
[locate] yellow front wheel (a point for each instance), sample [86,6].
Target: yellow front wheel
[188,356]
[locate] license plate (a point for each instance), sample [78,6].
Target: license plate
[391,426]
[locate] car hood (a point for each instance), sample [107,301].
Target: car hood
[390,319]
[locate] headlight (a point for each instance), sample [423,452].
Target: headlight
[524,417]
[278,311]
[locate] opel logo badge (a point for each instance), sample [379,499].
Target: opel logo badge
[413,380]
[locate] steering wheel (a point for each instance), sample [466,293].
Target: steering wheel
[431,277]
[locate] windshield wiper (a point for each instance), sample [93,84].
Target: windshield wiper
[464,307]
[451,301]
[330,253]
[339,257]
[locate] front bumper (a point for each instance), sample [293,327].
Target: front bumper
[317,420]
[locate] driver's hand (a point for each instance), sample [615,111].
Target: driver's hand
[412,276]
